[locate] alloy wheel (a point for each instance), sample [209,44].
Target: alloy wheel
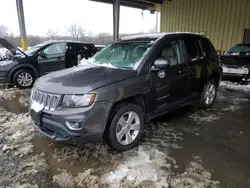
[24,79]
[210,93]
[127,128]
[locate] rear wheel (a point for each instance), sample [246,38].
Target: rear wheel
[24,78]
[208,95]
[126,127]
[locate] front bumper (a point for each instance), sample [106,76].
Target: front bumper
[4,78]
[94,120]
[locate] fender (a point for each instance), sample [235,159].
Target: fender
[22,66]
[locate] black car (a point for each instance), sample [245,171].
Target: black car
[133,80]
[23,68]
[236,63]
[99,47]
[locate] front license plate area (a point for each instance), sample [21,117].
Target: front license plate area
[36,116]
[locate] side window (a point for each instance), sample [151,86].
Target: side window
[172,51]
[193,49]
[209,49]
[55,49]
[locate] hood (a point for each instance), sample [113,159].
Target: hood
[80,80]
[14,50]
[235,60]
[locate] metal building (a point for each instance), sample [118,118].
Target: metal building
[224,22]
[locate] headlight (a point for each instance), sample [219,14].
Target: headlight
[71,101]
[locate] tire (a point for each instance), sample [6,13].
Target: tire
[125,142]
[25,74]
[209,91]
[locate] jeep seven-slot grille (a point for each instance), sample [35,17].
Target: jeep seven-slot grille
[49,101]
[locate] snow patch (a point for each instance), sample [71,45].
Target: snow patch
[195,176]
[235,87]
[231,108]
[146,167]
[202,116]
[26,185]
[85,179]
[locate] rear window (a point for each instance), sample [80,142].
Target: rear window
[209,49]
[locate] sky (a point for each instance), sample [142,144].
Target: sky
[57,15]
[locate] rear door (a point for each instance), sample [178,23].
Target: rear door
[52,58]
[171,83]
[198,64]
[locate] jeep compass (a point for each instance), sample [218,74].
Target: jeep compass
[133,80]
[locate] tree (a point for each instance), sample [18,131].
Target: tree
[51,34]
[75,31]
[3,31]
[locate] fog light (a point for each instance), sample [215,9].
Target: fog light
[73,125]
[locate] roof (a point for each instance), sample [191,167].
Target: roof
[154,36]
[141,4]
[71,41]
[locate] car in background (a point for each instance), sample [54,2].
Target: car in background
[100,47]
[236,63]
[23,68]
[133,80]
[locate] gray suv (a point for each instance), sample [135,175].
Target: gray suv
[110,96]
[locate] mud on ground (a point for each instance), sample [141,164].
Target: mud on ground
[171,153]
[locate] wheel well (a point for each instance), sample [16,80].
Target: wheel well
[139,100]
[27,68]
[216,77]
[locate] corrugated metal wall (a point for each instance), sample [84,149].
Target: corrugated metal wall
[222,21]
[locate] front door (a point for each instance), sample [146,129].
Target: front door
[52,58]
[171,83]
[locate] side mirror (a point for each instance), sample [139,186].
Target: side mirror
[42,54]
[161,63]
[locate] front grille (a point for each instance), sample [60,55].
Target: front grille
[49,101]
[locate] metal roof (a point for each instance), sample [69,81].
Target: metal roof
[141,4]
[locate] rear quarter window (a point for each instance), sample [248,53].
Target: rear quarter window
[209,49]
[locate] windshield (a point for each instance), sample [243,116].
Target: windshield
[241,49]
[33,49]
[122,55]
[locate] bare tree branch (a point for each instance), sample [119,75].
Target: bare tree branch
[3,31]
[52,34]
[75,31]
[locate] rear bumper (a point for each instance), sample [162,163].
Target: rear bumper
[93,119]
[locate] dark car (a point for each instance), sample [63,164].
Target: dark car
[23,68]
[236,63]
[132,81]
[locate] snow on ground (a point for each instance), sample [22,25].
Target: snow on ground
[195,176]
[203,116]
[18,164]
[148,165]
[235,87]
[231,108]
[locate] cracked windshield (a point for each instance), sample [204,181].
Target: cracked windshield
[124,94]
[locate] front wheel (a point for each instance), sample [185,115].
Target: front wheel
[126,128]
[24,78]
[208,95]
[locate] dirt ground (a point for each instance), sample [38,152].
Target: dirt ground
[186,148]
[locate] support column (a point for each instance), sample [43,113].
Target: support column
[20,14]
[116,18]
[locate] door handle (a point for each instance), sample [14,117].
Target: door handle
[182,71]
